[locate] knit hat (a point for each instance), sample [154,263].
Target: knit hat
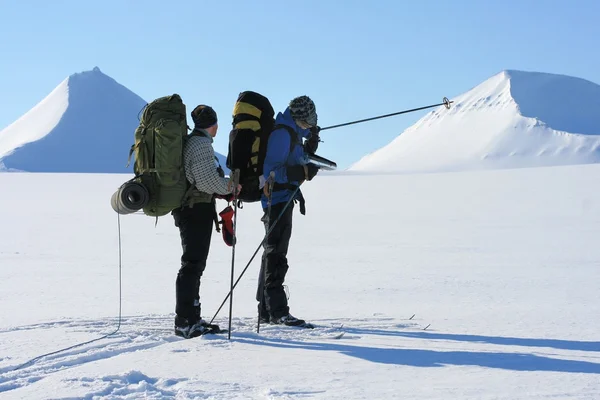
[303,109]
[204,116]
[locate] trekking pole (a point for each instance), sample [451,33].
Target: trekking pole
[255,252]
[263,280]
[236,180]
[445,102]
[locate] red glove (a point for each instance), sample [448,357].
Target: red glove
[227,226]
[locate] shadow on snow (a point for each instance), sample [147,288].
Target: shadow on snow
[433,358]
[498,340]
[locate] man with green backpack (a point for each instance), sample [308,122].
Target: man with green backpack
[195,220]
[178,173]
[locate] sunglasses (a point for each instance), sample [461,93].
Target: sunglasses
[304,125]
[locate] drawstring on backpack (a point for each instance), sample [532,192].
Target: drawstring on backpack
[216,217]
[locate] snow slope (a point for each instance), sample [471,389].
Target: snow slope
[37,122]
[86,124]
[513,119]
[503,266]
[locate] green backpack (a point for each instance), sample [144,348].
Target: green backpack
[158,153]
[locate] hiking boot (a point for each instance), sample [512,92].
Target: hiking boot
[214,328]
[189,329]
[264,316]
[288,320]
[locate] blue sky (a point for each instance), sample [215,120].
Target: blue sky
[356,59]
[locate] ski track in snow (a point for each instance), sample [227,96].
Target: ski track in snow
[141,333]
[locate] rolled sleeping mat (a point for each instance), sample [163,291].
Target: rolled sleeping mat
[129,198]
[322,162]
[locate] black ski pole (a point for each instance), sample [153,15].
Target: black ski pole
[236,179]
[255,252]
[445,103]
[261,288]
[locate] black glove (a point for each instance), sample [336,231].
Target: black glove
[227,197]
[312,142]
[312,170]
[297,173]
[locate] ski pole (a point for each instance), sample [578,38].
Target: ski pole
[445,102]
[256,251]
[236,180]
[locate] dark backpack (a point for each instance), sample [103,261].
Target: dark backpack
[253,121]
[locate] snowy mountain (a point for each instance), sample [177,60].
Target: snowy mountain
[85,125]
[513,119]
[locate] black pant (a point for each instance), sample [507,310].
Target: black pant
[274,264]
[195,227]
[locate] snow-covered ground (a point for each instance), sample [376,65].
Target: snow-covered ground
[502,265]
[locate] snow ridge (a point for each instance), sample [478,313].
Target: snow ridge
[513,119]
[37,122]
[85,125]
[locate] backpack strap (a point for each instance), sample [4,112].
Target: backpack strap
[292,132]
[293,142]
[289,186]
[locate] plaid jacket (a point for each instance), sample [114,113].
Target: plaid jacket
[202,168]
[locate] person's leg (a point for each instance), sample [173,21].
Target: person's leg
[275,265]
[195,226]
[260,292]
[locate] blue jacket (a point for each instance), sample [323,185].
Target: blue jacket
[279,157]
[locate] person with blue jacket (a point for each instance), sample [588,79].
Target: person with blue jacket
[286,167]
